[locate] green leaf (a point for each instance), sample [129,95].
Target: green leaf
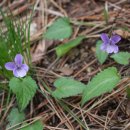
[66,87]
[106,13]
[121,57]
[101,55]
[35,126]
[15,117]
[24,89]
[103,82]
[61,50]
[60,29]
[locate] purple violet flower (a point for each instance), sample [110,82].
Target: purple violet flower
[109,44]
[19,69]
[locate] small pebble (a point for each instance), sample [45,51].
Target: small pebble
[66,70]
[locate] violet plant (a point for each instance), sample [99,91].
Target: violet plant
[109,47]
[14,47]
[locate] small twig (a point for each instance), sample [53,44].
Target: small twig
[51,66]
[86,66]
[115,111]
[126,127]
[60,8]
[7,109]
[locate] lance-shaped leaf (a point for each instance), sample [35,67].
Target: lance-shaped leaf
[66,87]
[103,82]
[61,50]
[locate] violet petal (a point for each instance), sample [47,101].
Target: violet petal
[18,59]
[19,72]
[112,48]
[116,49]
[25,67]
[115,39]
[105,38]
[103,47]
[10,65]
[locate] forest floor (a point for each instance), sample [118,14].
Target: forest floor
[112,110]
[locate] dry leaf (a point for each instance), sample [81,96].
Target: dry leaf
[123,33]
